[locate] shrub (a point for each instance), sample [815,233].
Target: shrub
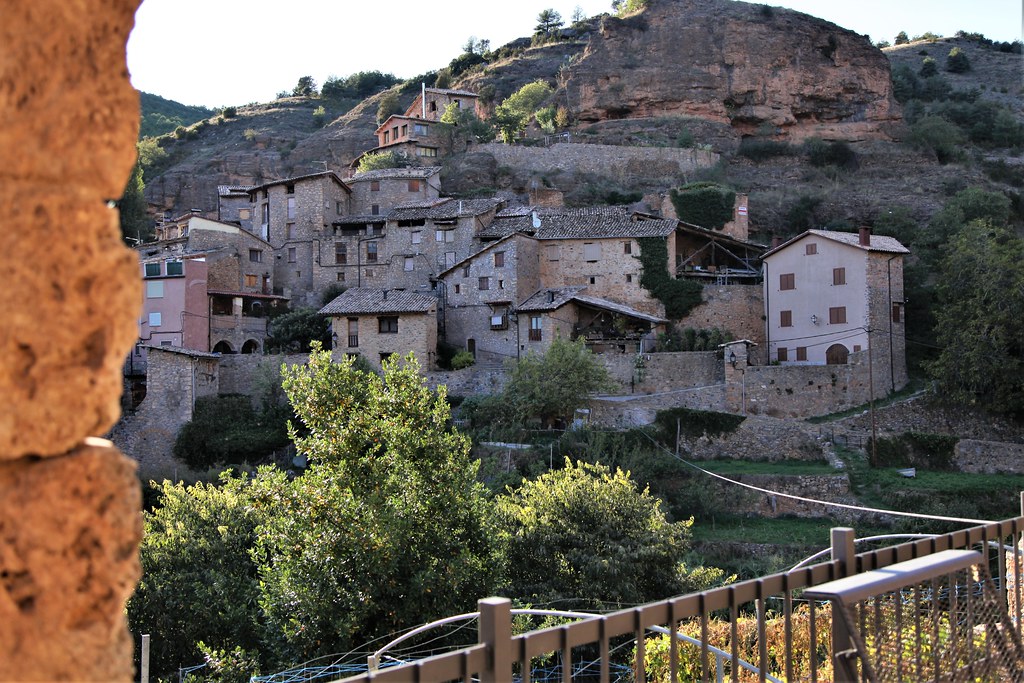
[695,423]
[938,136]
[957,61]
[801,215]
[229,112]
[692,339]
[319,116]
[227,429]
[376,161]
[462,359]
[838,154]
[706,204]
[758,149]
[250,134]
[678,296]
[685,137]
[929,67]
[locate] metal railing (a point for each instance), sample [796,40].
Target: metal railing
[765,622]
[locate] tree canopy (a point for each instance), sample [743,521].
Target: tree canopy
[548,21]
[512,115]
[305,87]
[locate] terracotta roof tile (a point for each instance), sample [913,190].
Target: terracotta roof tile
[889,245]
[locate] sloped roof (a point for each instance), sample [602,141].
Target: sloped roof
[180,351]
[409,172]
[363,300]
[294,179]
[589,223]
[889,245]
[448,91]
[554,298]
[234,190]
[445,209]
[617,308]
[487,247]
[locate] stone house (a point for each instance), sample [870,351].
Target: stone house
[175,306]
[596,248]
[571,312]
[378,192]
[479,295]
[829,295]
[412,134]
[294,215]
[377,323]
[233,206]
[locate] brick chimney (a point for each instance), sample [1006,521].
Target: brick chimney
[865,237]
[776,241]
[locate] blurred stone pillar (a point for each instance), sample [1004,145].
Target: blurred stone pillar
[69,504]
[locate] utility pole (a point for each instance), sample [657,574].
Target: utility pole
[871,403]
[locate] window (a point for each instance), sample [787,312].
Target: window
[289,230]
[499,259]
[154,320]
[839,276]
[387,324]
[291,255]
[536,328]
[419,128]
[811,248]
[289,188]
[499,319]
[414,185]
[374,186]
[353,332]
[593,280]
[591,251]
[175,268]
[897,312]
[432,106]
[255,256]
[627,247]
[394,132]
[339,208]
[152,270]
[629,278]
[375,210]
[408,264]
[265,211]
[387,137]
[340,253]
[837,315]
[405,129]
[465,270]
[783,354]
[484,283]
[501,284]
[449,259]
[371,252]
[155,289]
[369,274]
[444,235]
[426,152]
[167,343]
[785,318]
[458,289]
[417,236]
[251,281]
[801,353]
[552,252]
[244,214]
[291,207]
[787,281]
[341,277]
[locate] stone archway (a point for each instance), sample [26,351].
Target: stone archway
[68,125]
[837,354]
[223,346]
[251,346]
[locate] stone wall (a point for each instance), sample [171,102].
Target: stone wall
[834,488]
[760,438]
[989,457]
[622,163]
[799,390]
[70,505]
[636,411]
[736,308]
[663,371]
[922,414]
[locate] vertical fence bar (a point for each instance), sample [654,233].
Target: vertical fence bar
[844,553]
[704,636]
[787,615]
[495,631]
[673,642]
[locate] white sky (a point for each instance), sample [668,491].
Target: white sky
[231,52]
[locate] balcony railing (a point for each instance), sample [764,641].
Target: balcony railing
[768,629]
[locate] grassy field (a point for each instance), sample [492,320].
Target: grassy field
[785,467]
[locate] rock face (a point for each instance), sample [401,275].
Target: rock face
[754,67]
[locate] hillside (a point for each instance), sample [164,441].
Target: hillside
[793,77]
[161,116]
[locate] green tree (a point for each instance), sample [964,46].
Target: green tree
[512,115]
[375,161]
[548,21]
[458,127]
[957,61]
[901,38]
[386,529]
[626,7]
[388,106]
[591,538]
[199,583]
[940,137]
[929,67]
[306,87]
[979,323]
[704,203]
[229,430]
[135,223]
[294,331]
[551,386]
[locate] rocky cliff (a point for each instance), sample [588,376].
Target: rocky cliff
[754,67]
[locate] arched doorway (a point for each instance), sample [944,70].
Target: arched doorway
[837,354]
[223,347]
[251,346]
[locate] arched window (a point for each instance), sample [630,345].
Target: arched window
[223,347]
[251,346]
[837,354]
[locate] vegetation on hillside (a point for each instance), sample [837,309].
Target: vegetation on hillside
[160,115]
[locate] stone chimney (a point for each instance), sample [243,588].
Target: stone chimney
[550,197]
[739,226]
[776,241]
[865,237]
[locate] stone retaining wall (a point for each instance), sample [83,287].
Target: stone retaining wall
[988,457]
[922,414]
[760,438]
[663,371]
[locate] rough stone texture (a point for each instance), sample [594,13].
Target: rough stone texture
[663,371]
[760,438]
[921,414]
[68,118]
[69,515]
[736,308]
[68,562]
[636,411]
[834,488]
[988,457]
[735,63]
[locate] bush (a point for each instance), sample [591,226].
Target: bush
[929,67]
[227,429]
[706,204]
[229,112]
[692,339]
[462,359]
[957,61]
[838,154]
[759,149]
[695,423]
[678,296]
[915,449]
[376,161]
[938,136]
[801,215]
[319,116]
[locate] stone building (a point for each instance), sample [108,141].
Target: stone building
[412,134]
[294,215]
[832,294]
[479,295]
[233,206]
[377,323]
[376,193]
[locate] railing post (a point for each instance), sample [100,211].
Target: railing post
[842,551]
[495,631]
